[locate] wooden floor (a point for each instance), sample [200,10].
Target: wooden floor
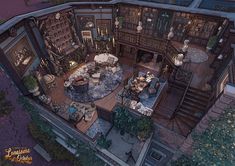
[202,72]
[107,103]
[167,105]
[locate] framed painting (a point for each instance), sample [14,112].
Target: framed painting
[21,56]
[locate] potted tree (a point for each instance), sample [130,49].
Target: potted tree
[211,42]
[144,128]
[31,84]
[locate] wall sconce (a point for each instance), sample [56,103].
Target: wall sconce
[116,22]
[139,27]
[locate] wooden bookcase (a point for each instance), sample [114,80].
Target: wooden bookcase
[149,17]
[131,17]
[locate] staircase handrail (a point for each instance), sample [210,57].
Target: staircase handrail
[183,97]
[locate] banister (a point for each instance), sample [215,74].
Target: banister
[183,97]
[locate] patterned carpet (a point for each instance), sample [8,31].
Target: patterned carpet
[196,55]
[108,83]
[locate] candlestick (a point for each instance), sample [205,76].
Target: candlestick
[106,30]
[98,29]
[102,33]
[113,42]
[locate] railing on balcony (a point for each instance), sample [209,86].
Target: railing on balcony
[161,46]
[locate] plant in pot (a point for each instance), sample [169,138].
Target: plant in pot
[144,128]
[211,42]
[103,142]
[31,84]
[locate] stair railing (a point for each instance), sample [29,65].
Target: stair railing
[183,97]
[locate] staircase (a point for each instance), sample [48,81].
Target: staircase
[190,112]
[191,108]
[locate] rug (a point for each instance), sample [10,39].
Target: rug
[109,81]
[196,55]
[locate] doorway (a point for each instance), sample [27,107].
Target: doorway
[149,60]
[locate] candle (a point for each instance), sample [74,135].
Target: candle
[98,31]
[106,30]
[96,47]
[113,42]
[102,33]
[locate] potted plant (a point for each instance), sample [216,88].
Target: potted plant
[144,128]
[103,142]
[31,84]
[211,42]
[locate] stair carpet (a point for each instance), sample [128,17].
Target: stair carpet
[190,112]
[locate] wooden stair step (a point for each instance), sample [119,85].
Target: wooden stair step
[197,114]
[186,115]
[202,102]
[188,122]
[176,86]
[191,109]
[196,100]
[198,92]
[197,96]
[194,105]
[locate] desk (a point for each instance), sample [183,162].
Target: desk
[149,103]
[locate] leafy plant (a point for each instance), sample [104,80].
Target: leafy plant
[103,142]
[216,146]
[1,22]
[183,161]
[30,82]
[124,121]
[86,153]
[5,105]
[144,127]
[50,145]
[212,41]
[42,131]
[4,162]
